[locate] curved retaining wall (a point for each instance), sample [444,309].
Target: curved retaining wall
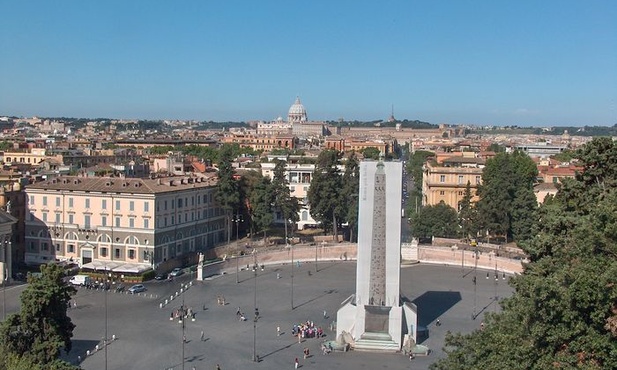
[348,251]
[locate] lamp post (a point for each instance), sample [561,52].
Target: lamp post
[106,287]
[255,358]
[292,275]
[496,281]
[475,284]
[182,319]
[237,219]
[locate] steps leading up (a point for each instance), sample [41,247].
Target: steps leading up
[376,342]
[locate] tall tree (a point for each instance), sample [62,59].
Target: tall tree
[563,314]
[325,193]
[228,190]
[262,205]
[467,214]
[351,190]
[415,168]
[42,328]
[283,201]
[505,207]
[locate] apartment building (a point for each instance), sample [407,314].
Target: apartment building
[124,224]
[446,181]
[299,177]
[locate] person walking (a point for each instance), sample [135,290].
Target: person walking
[278,331]
[325,314]
[202,336]
[218,367]
[297,363]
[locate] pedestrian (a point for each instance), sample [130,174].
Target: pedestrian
[278,276]
[438,323]
[299,337]
[238,312]
[325,314]
[202,336]
[218,367]
[278,331]
[296,364]
[184,338]
[75,304]
[411,356]
[482,325]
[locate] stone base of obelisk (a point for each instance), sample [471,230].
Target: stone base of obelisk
[375,328]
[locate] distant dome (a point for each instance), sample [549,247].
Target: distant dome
[297,113]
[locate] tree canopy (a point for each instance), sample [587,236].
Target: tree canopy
[325,193]
[563,313]
[228,190]
[36,335]
[438,220]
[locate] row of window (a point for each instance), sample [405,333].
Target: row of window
[461,179]
[87,220]
[131,252]
[442,192]
[71,201]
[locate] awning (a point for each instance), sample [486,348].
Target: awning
[133,268]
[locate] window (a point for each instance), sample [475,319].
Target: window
[165,205]
[44,201]
[44,216]
[71,248]
[131,206]
[460,179]
[117,253]
[132,254]
[70,202]
[87,203]
[146,223]
[87,221]
[32,200]
[71,217]
[57,218]
[131,222]
[57,247]
[57,201]
[146,207]
[44,246]
[103,251]
[442,178]
[117,205]
[173,219]
[441,192]
[180,203]
[104,204]
[103,220]
[117,221]
[477,180]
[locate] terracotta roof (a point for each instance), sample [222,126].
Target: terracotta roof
[125,185]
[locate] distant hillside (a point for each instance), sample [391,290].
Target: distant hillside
[380,123]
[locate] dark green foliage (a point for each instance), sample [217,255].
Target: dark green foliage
[371,153]
[41,329]
[507,202]
[415,169]
[467,215]
[228,190]
[351,190]
[325,194]
[439,220]
[262,200]
[563,314]
[288,205]
[494,147]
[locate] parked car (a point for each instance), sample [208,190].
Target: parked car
[160,276]
[176,272]
[137,288]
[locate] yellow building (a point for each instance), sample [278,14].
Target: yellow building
[446,182]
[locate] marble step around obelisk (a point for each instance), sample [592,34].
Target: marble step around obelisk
[378,342]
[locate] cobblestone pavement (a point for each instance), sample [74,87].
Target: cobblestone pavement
[146,338]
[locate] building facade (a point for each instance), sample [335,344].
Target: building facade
[129,224]
[446,182]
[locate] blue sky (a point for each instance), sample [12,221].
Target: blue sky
[478,62]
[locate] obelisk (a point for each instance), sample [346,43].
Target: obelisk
[377,282]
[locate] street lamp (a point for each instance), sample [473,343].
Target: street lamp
[106,287]
[475,284]
[237,219]
[255,358]
[182,319]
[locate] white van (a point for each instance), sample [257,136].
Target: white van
[80,280]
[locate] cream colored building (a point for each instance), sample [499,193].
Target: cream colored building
[299,177]
[32,156]
[126,225]
[446,182]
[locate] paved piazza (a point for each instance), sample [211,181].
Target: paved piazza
[148,339]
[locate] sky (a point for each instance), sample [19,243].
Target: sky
[491,62]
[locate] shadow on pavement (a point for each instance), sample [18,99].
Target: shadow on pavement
[79,348]
[325,293]
[432,304]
